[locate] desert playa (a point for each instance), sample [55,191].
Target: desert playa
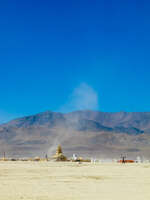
[73,181]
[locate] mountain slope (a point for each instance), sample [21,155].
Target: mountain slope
[88,133]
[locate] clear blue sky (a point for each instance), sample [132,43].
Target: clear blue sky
[48,48]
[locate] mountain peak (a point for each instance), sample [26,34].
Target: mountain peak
[85,131]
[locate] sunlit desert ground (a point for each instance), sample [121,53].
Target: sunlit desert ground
[73,181]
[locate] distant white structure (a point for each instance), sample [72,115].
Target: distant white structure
[94,160]
[74,157]
[138,159]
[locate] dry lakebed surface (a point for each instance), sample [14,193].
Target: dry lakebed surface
[73,181]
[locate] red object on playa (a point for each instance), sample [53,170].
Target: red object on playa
[126,161]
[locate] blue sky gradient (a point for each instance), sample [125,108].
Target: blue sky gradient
[50,48]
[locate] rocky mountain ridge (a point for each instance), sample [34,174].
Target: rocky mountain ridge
[85,132]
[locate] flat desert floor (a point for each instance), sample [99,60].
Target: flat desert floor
[73,181]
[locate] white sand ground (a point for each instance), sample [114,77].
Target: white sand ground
[72,181]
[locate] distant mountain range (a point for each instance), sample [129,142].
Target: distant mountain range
[86,133]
